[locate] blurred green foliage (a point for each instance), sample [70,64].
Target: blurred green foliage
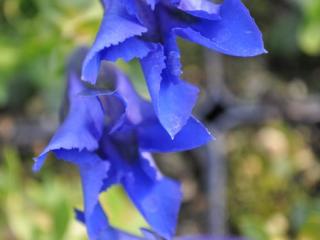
[309,32]
[32,209]
[35,38]
[274,177]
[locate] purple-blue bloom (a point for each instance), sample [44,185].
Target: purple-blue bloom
[109,135]
[147,30]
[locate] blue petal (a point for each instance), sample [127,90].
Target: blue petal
[113,105]
[235,34]
[115,28]
[82,127]
[115,111]
[200,8]
[127,50]
[93,170]
[97,225]
[152,66]
[167,91]
[174,110]
[152,3]
[150,235]
[158,199]
[137,109]
[153,138]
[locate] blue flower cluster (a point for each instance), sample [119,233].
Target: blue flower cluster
[147,30]
[109,131]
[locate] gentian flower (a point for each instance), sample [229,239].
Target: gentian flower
[147,30]
[109,135]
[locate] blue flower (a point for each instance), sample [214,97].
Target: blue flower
[147,30]
[109,135]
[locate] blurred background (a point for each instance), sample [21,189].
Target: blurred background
[259,179]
